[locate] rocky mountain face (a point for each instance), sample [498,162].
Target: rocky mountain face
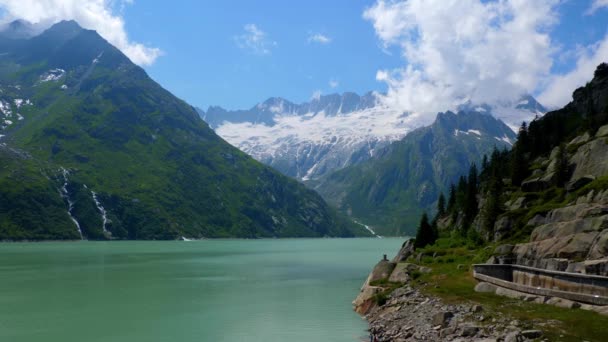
[390,190]
[573,237]
[310,140]
[92,148]
[559,213]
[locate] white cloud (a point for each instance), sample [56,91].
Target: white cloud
[458,50]
[316,95]
[96,15]
[255,40]
[319,38]
[596,5]
[333,83]
[560,87]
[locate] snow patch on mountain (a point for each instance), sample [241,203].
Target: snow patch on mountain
[52,75]
[331,132]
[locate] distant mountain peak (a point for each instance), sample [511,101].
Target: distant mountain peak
[19,29]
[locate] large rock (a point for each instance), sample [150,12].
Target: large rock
[602,131]
[365,299]
[563,303]
[578,183]
[581,139]
[407,249]
[590,159]
[484,287]
[442,318]
[401,273]
[382,270]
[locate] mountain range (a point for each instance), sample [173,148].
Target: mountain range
[390,190]
[92,148]
[311,140]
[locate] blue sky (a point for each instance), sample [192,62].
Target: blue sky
[238,53]
[204,64]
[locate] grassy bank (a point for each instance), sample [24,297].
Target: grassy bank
[452,280]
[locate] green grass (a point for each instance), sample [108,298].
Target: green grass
[456,285]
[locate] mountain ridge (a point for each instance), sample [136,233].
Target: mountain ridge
[135,161]
[390,190]
[310,140]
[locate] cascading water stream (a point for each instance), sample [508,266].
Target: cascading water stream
[66,195]
[368,228]
[103,212]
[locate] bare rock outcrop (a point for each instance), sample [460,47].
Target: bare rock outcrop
[568,235]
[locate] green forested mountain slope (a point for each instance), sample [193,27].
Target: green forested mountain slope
[76,112]
[392,189]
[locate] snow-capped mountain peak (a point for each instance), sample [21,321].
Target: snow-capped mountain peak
[330,132]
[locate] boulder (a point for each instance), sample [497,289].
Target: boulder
[580,182]
[581,139]
[382,270]
[401,273]
[484,287]
[602,131]
[407,250]
[532,334]
[469,330]
[517,204]
[501,291]
[364,301]
[587,159]
[442,318]
[563,303]
[513,336]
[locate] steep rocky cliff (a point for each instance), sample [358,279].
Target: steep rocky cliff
[551,205]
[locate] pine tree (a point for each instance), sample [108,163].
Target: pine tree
[452,198]
[441,205]
[493,206]
[425,235]
[470,204]
[519,162]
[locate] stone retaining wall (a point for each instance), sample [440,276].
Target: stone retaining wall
[573,286]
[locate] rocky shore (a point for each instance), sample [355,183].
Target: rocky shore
[399,311]
[409,315]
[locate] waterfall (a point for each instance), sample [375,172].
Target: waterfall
[66,195]
[103,212]
[369,229]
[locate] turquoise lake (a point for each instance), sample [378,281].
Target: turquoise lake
[213,290]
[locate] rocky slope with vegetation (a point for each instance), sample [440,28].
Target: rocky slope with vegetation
[91,147]
[543,204]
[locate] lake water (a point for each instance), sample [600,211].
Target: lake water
[215,290]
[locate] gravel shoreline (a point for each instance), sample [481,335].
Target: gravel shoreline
[409,315]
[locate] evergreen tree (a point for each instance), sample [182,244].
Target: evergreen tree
[441,205]
[470,204]
[484,163]
[452,198]
[425,235]
[493,206]
[519,163]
